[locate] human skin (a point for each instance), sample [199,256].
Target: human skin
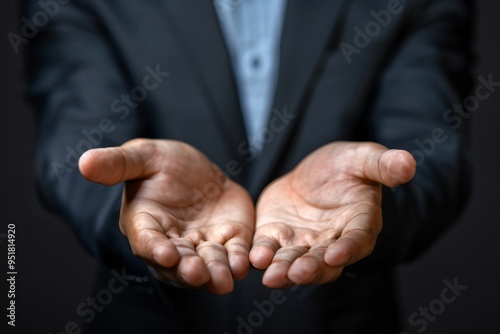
[198,228]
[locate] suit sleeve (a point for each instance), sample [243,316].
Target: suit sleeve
[75,79]
[412,109]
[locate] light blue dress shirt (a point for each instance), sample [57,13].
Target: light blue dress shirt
[252,30]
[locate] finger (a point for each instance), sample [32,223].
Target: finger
[216,260]
[263,251]
[311,267]
[237,253]
[109,166]
[388,167]
[148,241]
[356,242]
[276,274]
[191,270]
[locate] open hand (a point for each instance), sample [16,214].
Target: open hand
[179,212]
[326,213]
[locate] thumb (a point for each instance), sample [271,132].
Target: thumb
[110,166]
[388,167]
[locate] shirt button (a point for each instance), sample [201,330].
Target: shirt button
[255,62]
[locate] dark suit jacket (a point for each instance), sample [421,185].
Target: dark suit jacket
[104,72]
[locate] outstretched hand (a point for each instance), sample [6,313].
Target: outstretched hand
[195,226]
[179,212]
[326,213]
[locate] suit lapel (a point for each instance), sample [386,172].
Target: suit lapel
[200,38]
[308,28]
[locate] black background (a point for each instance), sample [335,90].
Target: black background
[55,274]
